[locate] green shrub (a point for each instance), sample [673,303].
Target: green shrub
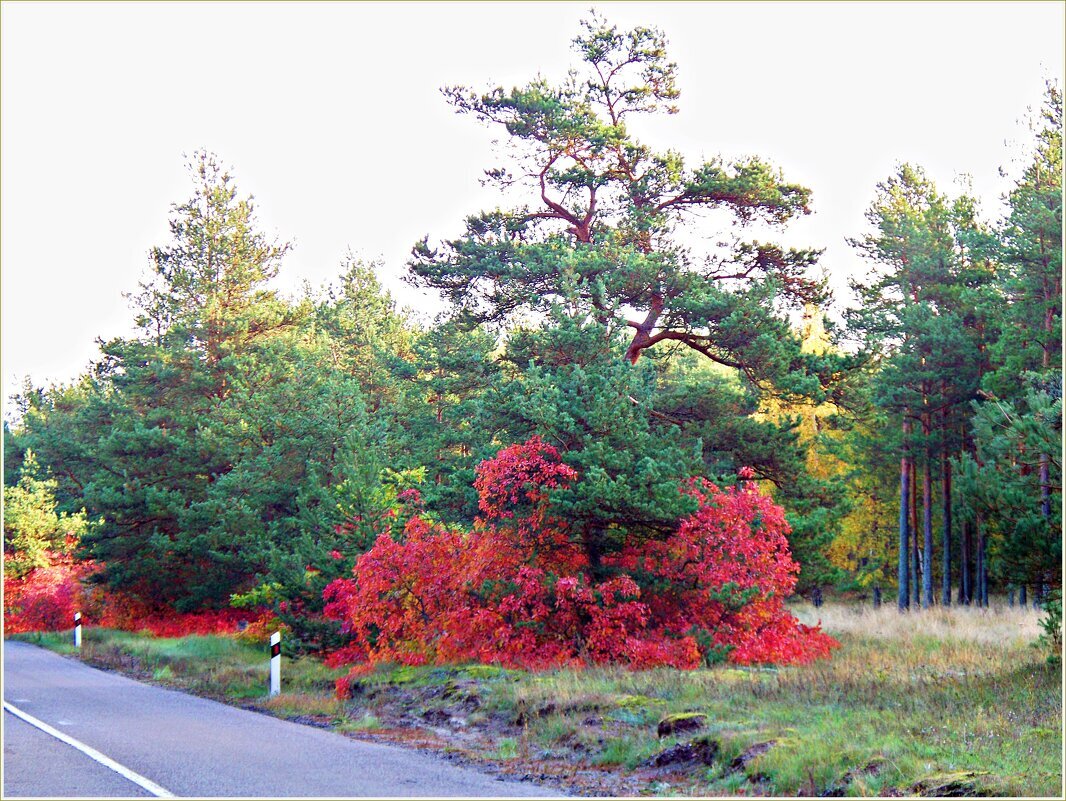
[1051,623]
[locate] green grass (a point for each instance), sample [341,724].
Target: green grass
[955,692]
[627,751]
[216,666]
[506,748]
[950,699]
[60,642]
[367,722]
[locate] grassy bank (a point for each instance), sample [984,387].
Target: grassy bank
[219,667]
[945,702]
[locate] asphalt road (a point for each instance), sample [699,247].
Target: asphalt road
[194,747]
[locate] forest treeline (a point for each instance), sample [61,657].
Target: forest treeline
[246,448]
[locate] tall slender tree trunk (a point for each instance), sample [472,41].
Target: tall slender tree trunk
[982,565]
[945,523]
[965,585]
[1045,497]
[1023,599]
[904,600]
[916,562]
[1045,473]
[1045,360]
[927,518]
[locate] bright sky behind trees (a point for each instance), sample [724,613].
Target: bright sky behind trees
[330,115]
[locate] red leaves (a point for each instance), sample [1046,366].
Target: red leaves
[47,598]
[404,590]
[513,495]
[174,624]
[520,474]
[516,590]
[722,577]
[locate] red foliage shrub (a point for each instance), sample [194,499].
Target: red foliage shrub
[513,497]
[515,590]
[119,611]
[722,578]
[45,599]
[175,624]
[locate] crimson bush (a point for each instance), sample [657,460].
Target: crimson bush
[515,590]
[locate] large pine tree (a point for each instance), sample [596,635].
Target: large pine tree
[608,222]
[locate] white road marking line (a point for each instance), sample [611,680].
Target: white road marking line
[92,753]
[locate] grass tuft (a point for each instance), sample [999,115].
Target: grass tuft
[367,722]
[304,704]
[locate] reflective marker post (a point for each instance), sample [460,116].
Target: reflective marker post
[275,663]
[77,629]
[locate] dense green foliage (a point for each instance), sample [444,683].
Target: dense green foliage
[965,319]
[247,448]
[31,526]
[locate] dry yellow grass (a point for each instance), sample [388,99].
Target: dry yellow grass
[999,625]
[304,704]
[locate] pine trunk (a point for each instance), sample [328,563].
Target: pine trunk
[916,562]
[927,520]
[971,570]
[968,578]
[945,544]
[1045,479]
[982,566]
[965,584]
[904,600]
[977,568]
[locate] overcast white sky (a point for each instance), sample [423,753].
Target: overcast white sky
[330,115]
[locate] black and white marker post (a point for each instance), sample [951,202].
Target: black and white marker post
[275,663]
[77,629]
